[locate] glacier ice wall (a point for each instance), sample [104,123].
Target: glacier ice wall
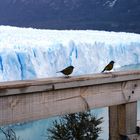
[27,53]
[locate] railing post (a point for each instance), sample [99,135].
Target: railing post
[122,121]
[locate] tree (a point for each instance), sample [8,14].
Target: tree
[9,134]
[78,126]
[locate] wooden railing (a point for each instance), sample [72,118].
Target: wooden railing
[42,98]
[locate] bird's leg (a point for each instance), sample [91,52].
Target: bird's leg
[67,76]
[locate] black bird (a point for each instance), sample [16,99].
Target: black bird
[109,66]
[67,71]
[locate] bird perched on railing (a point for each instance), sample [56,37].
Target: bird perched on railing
[109,66]
[67,71]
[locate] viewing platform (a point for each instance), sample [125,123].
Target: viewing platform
[43,98]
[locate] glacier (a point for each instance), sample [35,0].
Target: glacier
[27,53]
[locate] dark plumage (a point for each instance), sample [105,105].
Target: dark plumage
[109,66]
[67,71]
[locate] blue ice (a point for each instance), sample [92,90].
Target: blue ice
[27,53]
[33,53]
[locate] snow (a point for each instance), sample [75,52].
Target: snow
[111,4]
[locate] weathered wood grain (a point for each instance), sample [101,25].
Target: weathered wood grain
[50,84]
[122,121]
[31,100]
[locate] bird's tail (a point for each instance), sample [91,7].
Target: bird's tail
[58,71]
[102,70]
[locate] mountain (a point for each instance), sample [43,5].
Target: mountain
[116,15]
